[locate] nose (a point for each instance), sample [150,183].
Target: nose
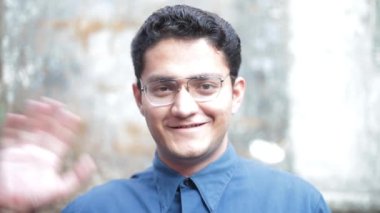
[184,104]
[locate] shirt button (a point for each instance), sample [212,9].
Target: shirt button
[187,182]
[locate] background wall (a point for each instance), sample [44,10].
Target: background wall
[312,69]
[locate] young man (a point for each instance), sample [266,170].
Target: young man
[186,63]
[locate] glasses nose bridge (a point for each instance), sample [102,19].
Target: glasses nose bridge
[183,98]
[180,86]
[183,85]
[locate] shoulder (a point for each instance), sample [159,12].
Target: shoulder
[278,187]
[139,181]
[115,193]
[265,174]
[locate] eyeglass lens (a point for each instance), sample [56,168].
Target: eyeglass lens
[163,92]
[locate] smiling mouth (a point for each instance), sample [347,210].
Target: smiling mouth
[187,126]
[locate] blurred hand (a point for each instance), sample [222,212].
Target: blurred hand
[33,145]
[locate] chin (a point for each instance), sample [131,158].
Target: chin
[192,153]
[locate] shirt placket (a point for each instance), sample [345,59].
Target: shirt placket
[191,200]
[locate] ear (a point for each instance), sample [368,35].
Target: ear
[238,91]
[138,97]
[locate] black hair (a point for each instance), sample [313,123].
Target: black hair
[186,22]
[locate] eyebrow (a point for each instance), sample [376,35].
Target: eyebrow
[156,78]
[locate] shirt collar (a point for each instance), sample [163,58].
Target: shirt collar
[210,181]
[167,181]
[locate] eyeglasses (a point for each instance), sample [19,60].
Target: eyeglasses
[162,92]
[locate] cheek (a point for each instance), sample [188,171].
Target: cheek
[223,104]
[223,111]
[219,111]
[154,118]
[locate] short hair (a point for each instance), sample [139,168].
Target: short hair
[186,22]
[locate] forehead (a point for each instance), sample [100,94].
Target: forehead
[177,58]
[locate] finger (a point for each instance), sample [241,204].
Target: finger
[69,119]
[66,124]
[47,125]
[40,114]
[15,121]
[14,124]
[40,126]
[52,102]
[84,167]
[81,173]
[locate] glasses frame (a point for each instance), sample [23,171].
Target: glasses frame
[143,88]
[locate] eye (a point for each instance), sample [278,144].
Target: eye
[205,87]
[162,89]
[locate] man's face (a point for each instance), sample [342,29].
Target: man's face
[188,131]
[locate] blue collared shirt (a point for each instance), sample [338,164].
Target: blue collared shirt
[230,184]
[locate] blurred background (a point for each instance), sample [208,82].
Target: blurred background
[312,67]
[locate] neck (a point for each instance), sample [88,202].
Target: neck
[189,166]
